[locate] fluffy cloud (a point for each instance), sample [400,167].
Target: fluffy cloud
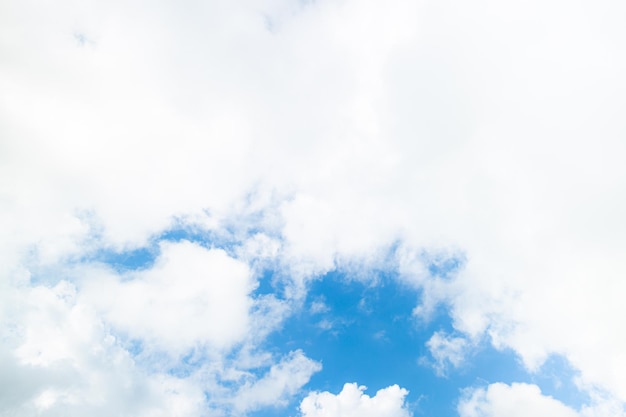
[58,359]
[352,402]
[516,400]
[191,297]
[526,399]
[68,348]
[339,129]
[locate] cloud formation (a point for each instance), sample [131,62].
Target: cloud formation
[315,136]
[516,400]
[352,402]
[446,350]
[282,381]
[519,399]
[187,284]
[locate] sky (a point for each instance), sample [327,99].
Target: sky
[312,208]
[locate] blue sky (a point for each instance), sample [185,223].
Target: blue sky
[260,208]
[362,328]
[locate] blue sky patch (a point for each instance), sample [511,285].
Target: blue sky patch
[367,334]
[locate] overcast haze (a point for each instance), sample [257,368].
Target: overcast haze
[331,208]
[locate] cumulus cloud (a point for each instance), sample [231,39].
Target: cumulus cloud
[352,402]
[519,399]
[58,359]
[63,356]
[515,400]
[192,296]
[338,129]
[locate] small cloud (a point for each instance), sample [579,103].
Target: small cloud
[365,307]
[319,307]
[446,350]
[282,381]
[381,336]
[325,324]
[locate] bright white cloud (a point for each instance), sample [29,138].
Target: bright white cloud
[191,297]
[58,359]
[65,352]
[352,402]
[517,400]
[344,127]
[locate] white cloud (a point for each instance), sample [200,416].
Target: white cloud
[517,400]
[352,402]
[191,297]
[65,354]
[447,351]
[58,359]
[491,127]
[520,400]
[281,382]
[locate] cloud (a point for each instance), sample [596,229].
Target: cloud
[515,400]
[349,128]
[319,307]
[519,399]
[352,402]
[282,381]
[58,359]
[447,351]
[192,296]
[66,353]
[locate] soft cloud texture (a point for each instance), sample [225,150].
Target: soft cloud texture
[274,389]
[187,284]
[526,399]
[58,359]
[352,402]
[339,130]
[516,400]
[62,357]
[447,351]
